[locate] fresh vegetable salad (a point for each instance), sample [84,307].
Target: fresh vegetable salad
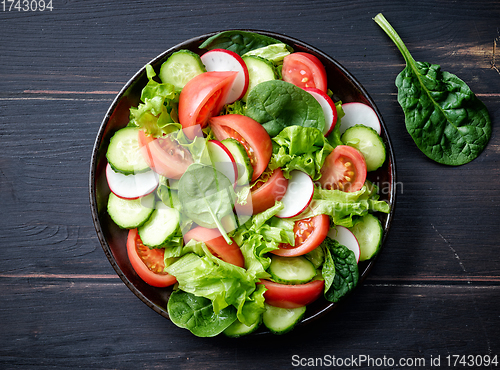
[244,185]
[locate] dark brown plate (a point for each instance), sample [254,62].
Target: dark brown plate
[113,239]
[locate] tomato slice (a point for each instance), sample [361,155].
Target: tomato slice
[148,263]
[213,239]
[304,70]
[344,169]
[269,188]
[292,296]
[250,134]
[203,97]
[164,155]
[309,233]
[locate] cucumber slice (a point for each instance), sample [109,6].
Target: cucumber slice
[181,67]
[245,169]
[281,320]
[124,154]
[291,270]
[259,70]
[368,142]
[369,233]
[130,213]
[238,329]
[161,226]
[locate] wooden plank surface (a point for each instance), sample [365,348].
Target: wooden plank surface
[434,290]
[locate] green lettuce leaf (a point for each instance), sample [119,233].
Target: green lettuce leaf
[200,273]
[157,111]
[343,207]
[261,235]
[300,148]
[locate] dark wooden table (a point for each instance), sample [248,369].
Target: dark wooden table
[434,293]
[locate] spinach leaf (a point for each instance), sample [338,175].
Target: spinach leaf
[207,196]
[238,41]
[197,314]
[277,104]
[340,270]
[446,120]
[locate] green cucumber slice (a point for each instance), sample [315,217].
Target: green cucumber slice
[281,320]
[291,270]
[368,142]
[245,169]
[163,224]
[238,329]
[180,68]
[368,230]
[259,70]
[124,154]
[130,213]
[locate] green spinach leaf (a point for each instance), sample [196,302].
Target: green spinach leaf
[277,104]
[197,314]
[238,41]
[340,270]
[207,196]
[446,120]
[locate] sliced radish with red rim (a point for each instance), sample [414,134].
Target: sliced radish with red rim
[345,237]
[223,160]
[298,194]
[131,186]
[227,60]
[359,114]
[328,106]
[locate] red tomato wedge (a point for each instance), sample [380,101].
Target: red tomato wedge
[204,96]
[292,296]
[268,189]
[148,263]
[309,233]
[213,239]
[344,169]
[164,155]
[250,134]
[304,70]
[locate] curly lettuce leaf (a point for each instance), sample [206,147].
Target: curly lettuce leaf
[202,274]
[300,148]
[343,207]
[157,111]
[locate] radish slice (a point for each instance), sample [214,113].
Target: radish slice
[345,237]
[298,194]
[227,60]
[328,106]
[359,114]
[131,186]
[223,160]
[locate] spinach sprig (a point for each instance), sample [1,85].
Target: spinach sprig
[446,120]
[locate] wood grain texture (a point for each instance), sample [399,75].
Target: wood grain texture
[435,287]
